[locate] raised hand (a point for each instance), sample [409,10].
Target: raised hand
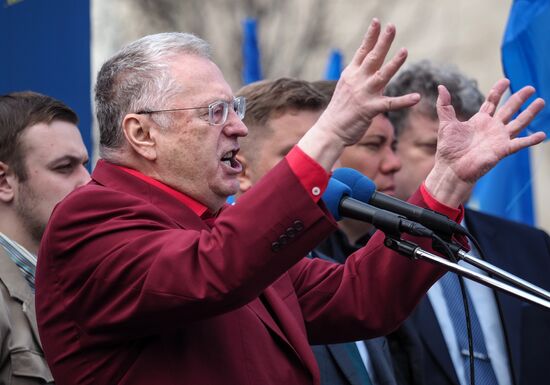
[358,97]
[468,150]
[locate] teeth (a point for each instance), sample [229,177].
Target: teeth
[228,156]
[227,162]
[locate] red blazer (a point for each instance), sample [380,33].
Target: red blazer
[134,288]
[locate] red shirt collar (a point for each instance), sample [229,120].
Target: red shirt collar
[197,207]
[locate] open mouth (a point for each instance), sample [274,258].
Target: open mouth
[229,159]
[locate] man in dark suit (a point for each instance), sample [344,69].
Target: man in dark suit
[146,277]
[42,159]
[515,333]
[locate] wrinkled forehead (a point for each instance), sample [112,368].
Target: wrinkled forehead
[421,119]
[199,79]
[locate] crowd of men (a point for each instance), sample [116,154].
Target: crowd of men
[144,274]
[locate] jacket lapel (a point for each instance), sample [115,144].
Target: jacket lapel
[261,311]
[350,362]
[19,290]
[430,333]
[286,325]
[381,360]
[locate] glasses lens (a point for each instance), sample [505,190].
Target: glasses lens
[218,112]
[239,105]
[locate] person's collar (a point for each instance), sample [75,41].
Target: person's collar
[197,207]
[19,248]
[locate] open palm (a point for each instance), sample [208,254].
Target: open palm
[468,150]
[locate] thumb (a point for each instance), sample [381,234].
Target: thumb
[445,111]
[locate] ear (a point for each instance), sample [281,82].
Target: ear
[245,182]
[7,183]
[137,130]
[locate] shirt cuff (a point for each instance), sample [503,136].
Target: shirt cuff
[456,214]
[311,175]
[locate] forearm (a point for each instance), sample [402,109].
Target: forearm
[320,144]
[372,293]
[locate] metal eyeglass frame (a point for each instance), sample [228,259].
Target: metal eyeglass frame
[239,106]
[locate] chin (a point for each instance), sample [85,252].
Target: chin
[227,189]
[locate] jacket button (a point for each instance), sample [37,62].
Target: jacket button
[283,239]
[275,246]
[291,232]
[298,225]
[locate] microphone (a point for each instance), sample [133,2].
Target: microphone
[332,196]
[339,203]
[363,189]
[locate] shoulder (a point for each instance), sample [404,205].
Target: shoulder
[476,219]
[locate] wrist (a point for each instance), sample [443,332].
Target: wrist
[446,187]
[322,144]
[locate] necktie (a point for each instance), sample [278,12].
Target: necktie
[484,374]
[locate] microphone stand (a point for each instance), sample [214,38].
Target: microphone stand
[528,292]
[504,275]
[394,225]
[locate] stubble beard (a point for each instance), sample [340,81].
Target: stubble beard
[26,210]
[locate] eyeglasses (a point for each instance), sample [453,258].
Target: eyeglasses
[217,111]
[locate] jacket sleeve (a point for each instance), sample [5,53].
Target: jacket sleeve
[369,295]
[123,267]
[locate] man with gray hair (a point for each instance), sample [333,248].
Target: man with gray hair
[147,277]
[510,332]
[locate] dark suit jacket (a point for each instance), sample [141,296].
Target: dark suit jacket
[341,364]
[520,250]
[135,288]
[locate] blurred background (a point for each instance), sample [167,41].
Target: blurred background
[57,46]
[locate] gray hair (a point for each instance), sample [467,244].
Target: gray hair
[424,77]
[136,78]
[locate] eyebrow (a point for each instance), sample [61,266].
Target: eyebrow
[71,158]
[207,101]
[381,138]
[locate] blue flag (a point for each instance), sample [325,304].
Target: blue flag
[45,47]
[335,65]
[506,190]
[526,53]
[252,70]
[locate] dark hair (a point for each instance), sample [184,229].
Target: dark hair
[424,77]
[268,99]
[19,111]
[326,87]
